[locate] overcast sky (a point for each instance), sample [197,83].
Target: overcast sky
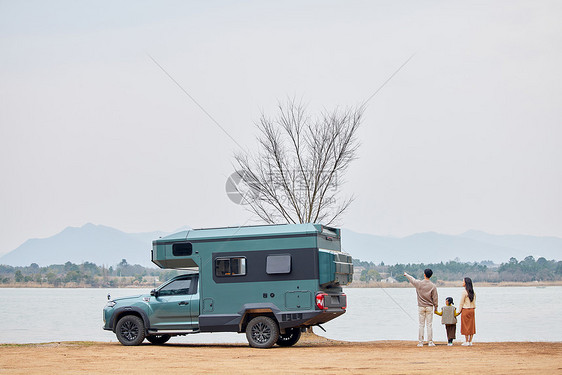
[468,135]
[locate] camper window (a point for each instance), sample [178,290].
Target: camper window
[230,266]
[277,264]
[182,249]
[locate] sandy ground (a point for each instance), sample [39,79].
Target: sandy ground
[312,355]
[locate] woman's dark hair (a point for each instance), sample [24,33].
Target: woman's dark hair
[469,288]
[449,299]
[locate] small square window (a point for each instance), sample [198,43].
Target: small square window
[182,249]
[277,264]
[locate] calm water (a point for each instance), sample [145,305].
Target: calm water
[502,314]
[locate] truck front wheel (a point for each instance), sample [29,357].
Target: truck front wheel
[130,330]
[290,337]
[262,332]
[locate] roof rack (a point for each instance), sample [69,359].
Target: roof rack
[243,226]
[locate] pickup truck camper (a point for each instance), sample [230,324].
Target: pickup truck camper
[269,281]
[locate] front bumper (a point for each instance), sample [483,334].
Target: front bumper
[107,314]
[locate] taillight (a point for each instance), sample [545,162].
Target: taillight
[345,299]
[320,299]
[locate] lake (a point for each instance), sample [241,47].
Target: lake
[39,315]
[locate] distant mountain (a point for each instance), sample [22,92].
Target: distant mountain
[431,247]
[105,245]
[93,243]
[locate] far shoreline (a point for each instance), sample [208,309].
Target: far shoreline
[458,284]
[354,285]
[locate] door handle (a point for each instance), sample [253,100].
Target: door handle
[183,303]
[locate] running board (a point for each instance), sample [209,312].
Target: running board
[171,332]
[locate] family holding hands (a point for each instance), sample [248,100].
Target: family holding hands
[428,303]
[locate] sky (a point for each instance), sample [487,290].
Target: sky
[467,135]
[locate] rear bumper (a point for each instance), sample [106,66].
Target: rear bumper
[324,316]
[307,318]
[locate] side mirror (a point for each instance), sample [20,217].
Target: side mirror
[154,293]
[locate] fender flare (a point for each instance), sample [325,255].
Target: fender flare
[257,309]
[126,310]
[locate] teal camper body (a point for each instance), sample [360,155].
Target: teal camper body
[269,281]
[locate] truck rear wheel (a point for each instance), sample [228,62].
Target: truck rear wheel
[130,330]
[262,332]
[290,337]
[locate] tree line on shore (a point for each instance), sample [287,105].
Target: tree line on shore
[86,274]
[528,269]
[124,274]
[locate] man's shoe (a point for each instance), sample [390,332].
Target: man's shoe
[431,343]
[466,343]
[420,344]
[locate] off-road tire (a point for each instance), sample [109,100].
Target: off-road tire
[262,332]
[290,337]
[158,339]
[130,330]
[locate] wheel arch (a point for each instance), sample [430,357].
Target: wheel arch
[252,313]
[130,310]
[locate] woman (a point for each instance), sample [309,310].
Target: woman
[466,308]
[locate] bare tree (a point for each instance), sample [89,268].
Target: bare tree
[296,173]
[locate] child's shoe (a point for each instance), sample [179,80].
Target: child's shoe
[466,343]
[431,343]
[420,344]
[470,343]
[450,344]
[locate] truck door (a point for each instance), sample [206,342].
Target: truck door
[172,308]
[194,306]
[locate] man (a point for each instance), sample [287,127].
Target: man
[427,304]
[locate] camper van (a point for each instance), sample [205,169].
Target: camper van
[270,282]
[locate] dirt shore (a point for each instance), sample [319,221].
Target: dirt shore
[312,355]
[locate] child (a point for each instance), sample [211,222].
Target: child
[449,318]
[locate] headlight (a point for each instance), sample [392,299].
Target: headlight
[110,304]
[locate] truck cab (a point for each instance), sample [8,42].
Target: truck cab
[270,282]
